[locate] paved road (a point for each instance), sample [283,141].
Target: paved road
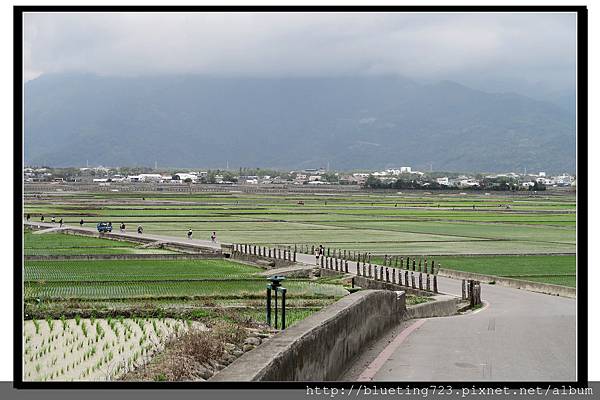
[519,336]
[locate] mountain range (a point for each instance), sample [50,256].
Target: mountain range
[347,123]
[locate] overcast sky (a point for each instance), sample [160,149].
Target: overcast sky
[494,51]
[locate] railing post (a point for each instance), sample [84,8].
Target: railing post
[269,305]
[435,288]
[283,291]
[275,308]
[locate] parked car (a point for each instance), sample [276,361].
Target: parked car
[104,227]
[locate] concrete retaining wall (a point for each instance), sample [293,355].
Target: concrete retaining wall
[320,347]
[545,288]
[443,306]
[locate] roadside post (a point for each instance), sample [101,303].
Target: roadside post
[275,286]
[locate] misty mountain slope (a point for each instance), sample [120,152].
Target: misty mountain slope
[349,123]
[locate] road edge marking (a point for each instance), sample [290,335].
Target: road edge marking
[369,373]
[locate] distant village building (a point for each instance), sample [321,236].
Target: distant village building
[144,178]
[182,176]
[469,182]
[443,181]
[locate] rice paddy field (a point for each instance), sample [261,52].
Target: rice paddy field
[524,236]
[436,224]
[156,279]
[62,244]
[553,269]
[143,305]
[441,224]
[94,349]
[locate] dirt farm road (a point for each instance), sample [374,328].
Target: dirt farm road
[518,336]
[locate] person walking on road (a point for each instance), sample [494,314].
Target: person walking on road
[140,230]
[213,237]
[60,223]
[53,220]
[28,217]
[81,222]
[190,233]
[122,227]
[42,218]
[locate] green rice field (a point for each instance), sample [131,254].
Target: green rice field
[436,224]
[541,228]
[62,244]
[150,279]
[554,269]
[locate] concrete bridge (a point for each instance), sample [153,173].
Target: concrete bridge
[517,336]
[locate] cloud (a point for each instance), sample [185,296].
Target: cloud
[524,47]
